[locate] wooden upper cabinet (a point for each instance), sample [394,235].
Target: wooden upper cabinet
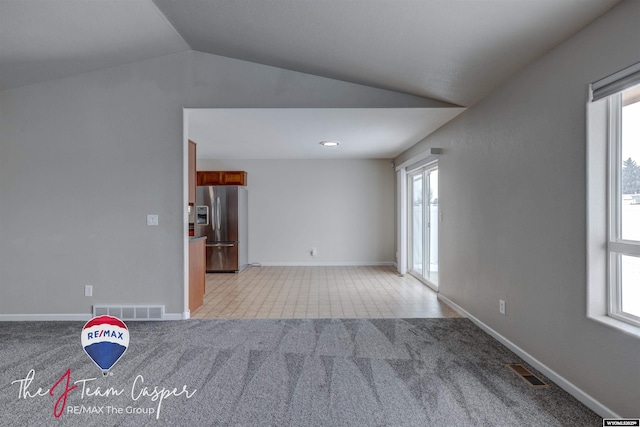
[233,178]
[192,173]
[222,178]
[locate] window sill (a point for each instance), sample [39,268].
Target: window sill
[618,324]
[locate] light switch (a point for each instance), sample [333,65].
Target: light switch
[152,219]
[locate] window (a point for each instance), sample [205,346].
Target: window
[613,200]
[624,205]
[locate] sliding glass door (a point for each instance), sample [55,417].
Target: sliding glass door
[416,235]
[423,224]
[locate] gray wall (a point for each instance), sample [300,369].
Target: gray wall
[513,198]
[344,208]
[84,159]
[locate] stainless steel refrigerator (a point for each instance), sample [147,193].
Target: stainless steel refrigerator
[222,216]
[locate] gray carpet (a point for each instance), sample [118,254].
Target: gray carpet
[298,372]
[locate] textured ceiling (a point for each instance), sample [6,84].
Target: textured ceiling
[454,50]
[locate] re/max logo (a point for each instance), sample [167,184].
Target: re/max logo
[103,333]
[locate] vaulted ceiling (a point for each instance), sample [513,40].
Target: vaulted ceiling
[455,51]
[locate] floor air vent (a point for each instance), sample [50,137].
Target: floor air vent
[527,376]
[130,312]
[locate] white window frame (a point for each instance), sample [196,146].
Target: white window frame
[616,246]
[604,245]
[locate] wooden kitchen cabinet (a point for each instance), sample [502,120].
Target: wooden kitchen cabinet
[197,270]
[192,173]
[222,178]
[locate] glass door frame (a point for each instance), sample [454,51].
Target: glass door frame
[428,222]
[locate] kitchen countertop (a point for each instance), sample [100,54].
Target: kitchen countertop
[195,239]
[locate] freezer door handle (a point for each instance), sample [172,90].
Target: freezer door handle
[220,245]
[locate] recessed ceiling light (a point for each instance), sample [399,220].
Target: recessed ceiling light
[329,143]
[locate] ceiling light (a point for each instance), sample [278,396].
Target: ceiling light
[329,143]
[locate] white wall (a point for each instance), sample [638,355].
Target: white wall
[84,159]
[344,208]
[513,199]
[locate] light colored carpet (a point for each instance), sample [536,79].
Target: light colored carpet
[297,372]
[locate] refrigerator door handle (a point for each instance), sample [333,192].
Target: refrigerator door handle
[218,213]
[213,214]
[220,245]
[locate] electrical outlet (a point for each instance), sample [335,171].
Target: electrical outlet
[314,252]
[88,290]
[503,307]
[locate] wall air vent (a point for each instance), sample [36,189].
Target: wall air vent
[130,312]
[528,376]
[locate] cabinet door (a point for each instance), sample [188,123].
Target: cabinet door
[197,265]
[208,178]
[233,178]
[222,178]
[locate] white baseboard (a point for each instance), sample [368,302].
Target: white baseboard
[71,317]
[178,316]
[558,379]
[326,264]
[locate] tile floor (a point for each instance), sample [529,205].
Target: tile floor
[318,292]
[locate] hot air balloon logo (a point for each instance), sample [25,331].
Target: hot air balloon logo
[105,339]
